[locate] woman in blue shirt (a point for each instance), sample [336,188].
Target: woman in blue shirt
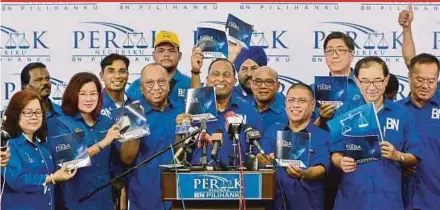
[81,105]
[29,174]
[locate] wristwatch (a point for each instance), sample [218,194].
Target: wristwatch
[401,158]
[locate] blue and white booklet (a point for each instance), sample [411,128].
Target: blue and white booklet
[359,131]
[70,150]
[201,103]
[331,90]
[238,31]
[131,122]
[363,149]
[213,42]
[293,148]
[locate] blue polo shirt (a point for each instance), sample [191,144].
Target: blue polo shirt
[25,174]
[179,83]
[297,194]
[108,104]
[238,106]
[145,189]
[377,184]
[238,91]
[55,112]
[353,94]
[275,114]
[89,178]
[422,191]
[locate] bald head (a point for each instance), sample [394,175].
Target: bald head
[265,70]
[153,68]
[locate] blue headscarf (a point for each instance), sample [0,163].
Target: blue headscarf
[256,54]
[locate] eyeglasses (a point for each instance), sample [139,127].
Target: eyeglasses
[160,82]
[29,113]
[268,83]
[85,95]
[301,101]
[338,51]
[376,83]
[226,75]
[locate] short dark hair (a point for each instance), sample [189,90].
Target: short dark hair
[109,59]
[301,86]
[18,102]
[70,96]
[339,35]
[222,59]
[423,58]
[367,61]
[393,84]
[26,76]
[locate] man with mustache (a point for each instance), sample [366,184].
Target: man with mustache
[422,190]
[35,77]
[167,54]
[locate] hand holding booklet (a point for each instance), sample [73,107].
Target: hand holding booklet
[293,148]
[213,42]
[131,122]
[331,90]
[201,103]
[70,150]
[238,31]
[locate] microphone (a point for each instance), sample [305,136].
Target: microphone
[217,141]
[191,133]
[4,135]
[252,137]
[204,140]
[233,124]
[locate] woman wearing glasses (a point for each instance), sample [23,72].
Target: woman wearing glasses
[30,174]
[81,105]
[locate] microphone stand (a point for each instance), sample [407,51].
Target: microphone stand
[234,156]
[144,162]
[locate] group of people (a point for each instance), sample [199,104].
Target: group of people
[406,177]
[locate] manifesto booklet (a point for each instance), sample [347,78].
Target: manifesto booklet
[238,31]
[201,103]
[70,150]
[131,122]
[331,90]
[293,148]
[362,149]
[213,42]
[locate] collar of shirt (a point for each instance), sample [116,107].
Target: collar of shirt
[78,117]
[277,105]
[148,108]
[23,138]
[305,130]
[107,100]
[350,77]
[177,76]
[434,100]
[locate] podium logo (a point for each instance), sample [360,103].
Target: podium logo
[23,46]
[368,41]
[96,40]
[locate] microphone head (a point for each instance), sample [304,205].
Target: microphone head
[247,127]
[218,136]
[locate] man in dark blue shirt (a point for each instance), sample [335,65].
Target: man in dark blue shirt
[422,190]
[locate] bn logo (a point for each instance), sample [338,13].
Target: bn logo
[435,113]
[392,124]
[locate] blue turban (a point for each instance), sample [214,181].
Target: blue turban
[256,54]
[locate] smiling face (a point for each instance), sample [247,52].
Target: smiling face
[423,81]
[221,76]
[31,118]
[155,85]
[88,98]
[372,82]
[338,56]
[299,104]
[245,74]
[265,84]
[115,76]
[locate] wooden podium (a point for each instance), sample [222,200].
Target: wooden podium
[218,189]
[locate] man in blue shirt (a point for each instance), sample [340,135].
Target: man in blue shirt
[268,107]
[408,47]
[300,188]
[144,190]
[36,77]
[422,191]
[377,184]
[114,74]
[167,54]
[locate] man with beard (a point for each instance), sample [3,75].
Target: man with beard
[35,77]
[422,190]
[167,54]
